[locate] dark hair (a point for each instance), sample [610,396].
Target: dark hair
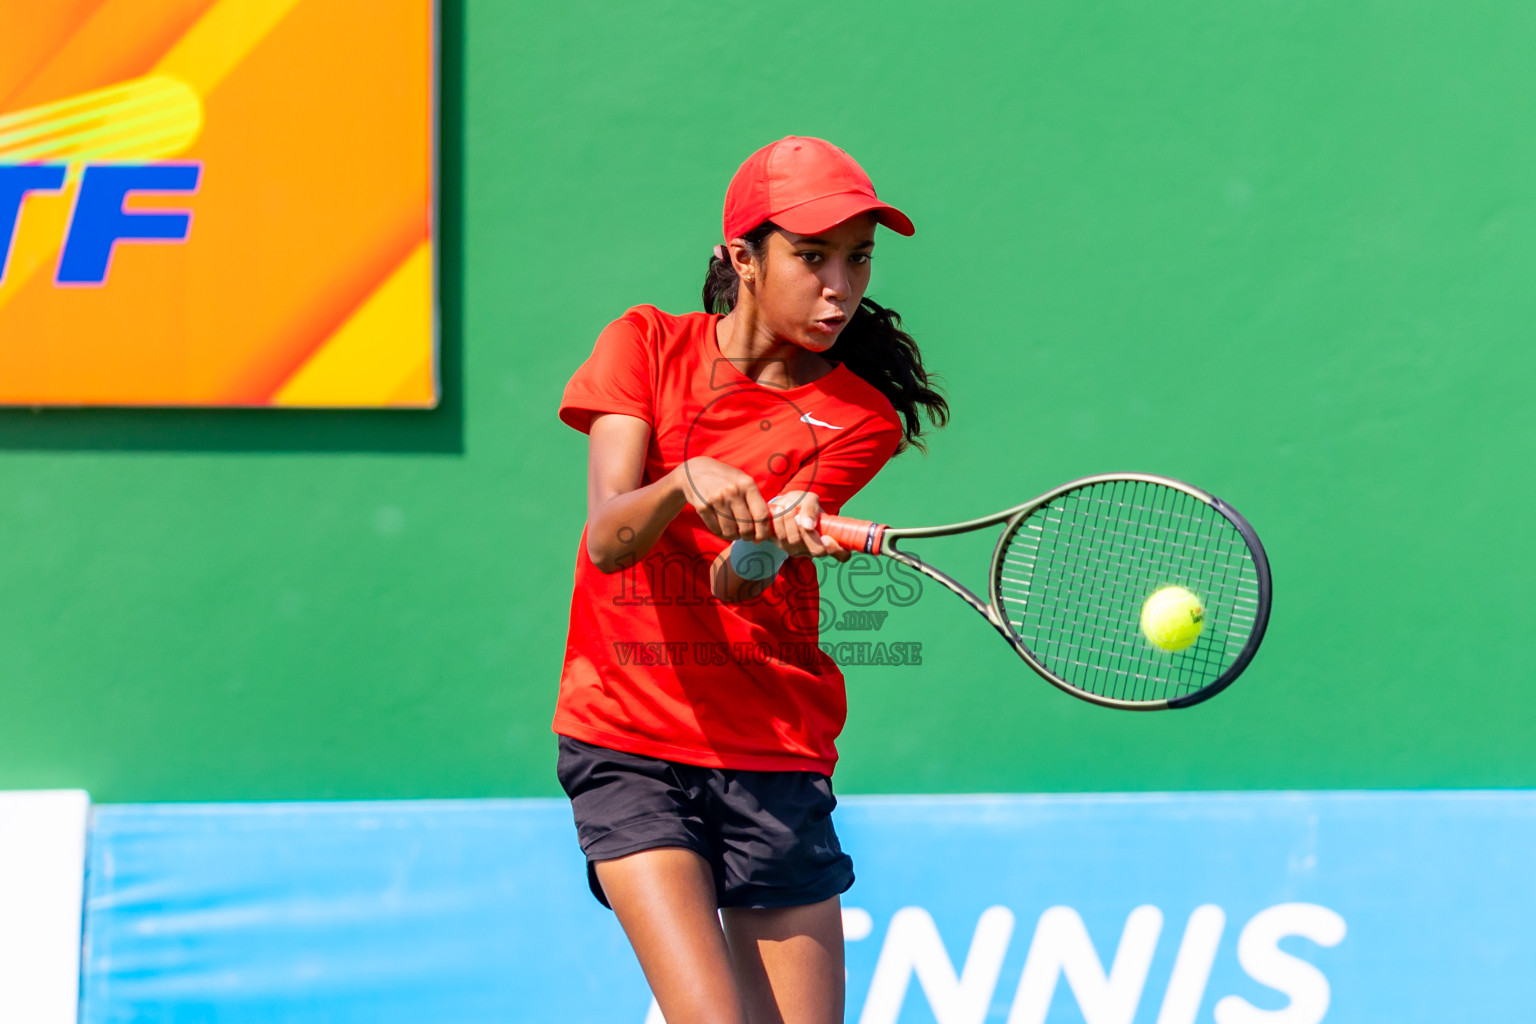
[873,345]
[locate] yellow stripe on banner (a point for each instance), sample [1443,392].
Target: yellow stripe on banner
[375,357]
[221,39]
[420,389]
[38,231]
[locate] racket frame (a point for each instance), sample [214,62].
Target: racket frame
[879,539]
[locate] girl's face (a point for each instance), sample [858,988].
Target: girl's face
[807,287]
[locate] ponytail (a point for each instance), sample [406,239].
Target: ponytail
[873,345]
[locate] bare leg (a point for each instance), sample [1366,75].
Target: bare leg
[789,962]
[665,900]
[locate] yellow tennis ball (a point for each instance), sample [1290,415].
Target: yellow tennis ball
[1172,618]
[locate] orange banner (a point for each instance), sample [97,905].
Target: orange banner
[217,203]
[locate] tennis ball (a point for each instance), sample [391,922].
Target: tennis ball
[1172,618]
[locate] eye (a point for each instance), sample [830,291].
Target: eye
[862,258]
[810,256]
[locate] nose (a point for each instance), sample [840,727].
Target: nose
[835,282]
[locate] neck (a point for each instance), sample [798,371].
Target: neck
[754,350]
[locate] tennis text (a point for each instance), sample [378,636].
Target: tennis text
[1062,949]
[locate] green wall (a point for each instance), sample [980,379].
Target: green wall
[1278,249]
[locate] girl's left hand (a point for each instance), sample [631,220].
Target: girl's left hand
[795,514]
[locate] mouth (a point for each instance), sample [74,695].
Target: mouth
[829,324]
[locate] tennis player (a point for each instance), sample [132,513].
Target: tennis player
[696,715]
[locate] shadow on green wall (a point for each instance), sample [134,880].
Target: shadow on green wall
[439,430]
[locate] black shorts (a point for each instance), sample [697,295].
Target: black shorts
[767,836]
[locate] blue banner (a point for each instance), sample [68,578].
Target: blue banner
[1254,908]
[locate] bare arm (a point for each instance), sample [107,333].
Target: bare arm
[624,519]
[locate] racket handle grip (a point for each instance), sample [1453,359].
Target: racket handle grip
[853,534]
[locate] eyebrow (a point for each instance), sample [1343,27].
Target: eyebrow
[817,240]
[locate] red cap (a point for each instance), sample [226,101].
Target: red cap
[806,186]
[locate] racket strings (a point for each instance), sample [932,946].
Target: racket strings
[1076,572]
[1102,622]
[1105,622]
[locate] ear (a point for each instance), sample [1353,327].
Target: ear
[741,259]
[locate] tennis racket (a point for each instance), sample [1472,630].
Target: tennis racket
[1074,568]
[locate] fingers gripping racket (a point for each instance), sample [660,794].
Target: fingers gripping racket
[1073,579]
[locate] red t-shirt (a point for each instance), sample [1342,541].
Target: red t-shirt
[654,663]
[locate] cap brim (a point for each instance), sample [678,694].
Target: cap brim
[825,213]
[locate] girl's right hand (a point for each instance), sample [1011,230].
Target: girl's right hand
[726,499]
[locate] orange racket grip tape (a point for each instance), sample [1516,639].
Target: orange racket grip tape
[853,534]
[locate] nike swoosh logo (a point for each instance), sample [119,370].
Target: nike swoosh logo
[808,418]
